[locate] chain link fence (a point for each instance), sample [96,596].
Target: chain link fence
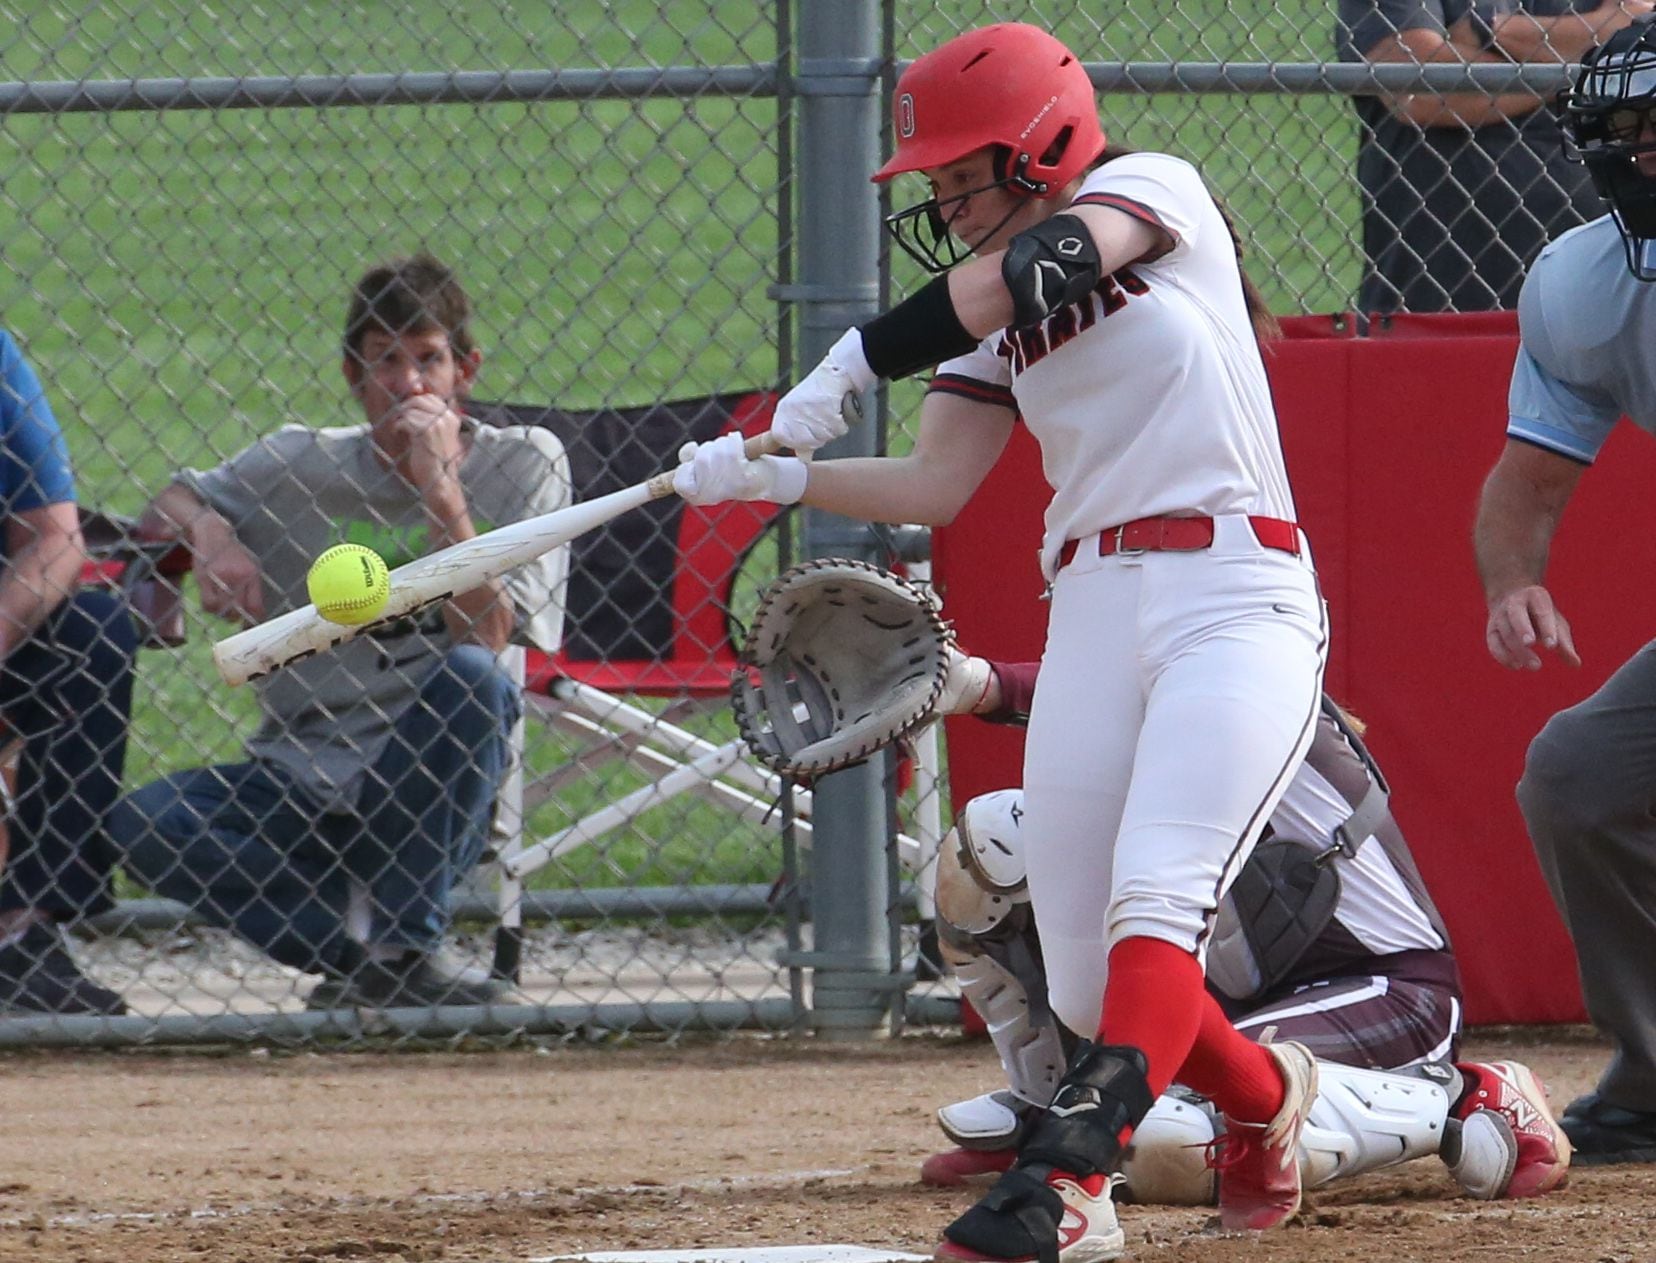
[191,196]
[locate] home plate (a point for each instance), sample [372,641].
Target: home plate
[747,1254]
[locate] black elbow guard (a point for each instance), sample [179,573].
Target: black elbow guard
[1049,266]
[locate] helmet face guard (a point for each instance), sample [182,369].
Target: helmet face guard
[922,230]
[1607,115]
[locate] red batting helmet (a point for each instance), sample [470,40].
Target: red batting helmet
[1010,85]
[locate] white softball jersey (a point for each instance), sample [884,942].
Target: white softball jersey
[1150,397]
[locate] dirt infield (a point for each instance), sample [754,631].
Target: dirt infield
[513,1155]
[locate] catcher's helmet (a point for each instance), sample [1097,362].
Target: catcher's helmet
[1606,114]
[1012,88]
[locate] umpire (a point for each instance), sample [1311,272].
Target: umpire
[1587,317]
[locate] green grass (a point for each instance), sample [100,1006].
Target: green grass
[179,278]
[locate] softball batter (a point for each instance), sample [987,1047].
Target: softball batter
[1098,294]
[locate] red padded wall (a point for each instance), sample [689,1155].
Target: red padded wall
[1388,438]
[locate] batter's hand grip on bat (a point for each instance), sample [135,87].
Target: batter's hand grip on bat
[766,444]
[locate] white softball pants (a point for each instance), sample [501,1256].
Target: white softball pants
[1177,694]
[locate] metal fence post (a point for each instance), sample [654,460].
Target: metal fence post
[836,83]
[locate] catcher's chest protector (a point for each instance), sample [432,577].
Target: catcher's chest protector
[1280,904]
[1286,894]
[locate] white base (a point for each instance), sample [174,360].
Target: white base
[747,1254]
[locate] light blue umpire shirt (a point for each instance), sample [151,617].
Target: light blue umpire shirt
[1587,350]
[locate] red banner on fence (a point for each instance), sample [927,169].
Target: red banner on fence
[1388,439]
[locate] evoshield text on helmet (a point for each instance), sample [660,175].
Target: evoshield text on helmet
[1609,121]
[1011,88]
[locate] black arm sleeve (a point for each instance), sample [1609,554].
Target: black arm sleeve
[917,333]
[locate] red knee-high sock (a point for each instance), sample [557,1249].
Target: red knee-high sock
[1232,1071]
[1151,1003]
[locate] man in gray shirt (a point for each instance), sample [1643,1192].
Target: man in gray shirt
[1461,190]
[1587,316]
[369,784]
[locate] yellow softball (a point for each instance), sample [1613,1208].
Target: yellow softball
[349,584]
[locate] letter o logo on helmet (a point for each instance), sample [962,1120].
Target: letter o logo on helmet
[1010,85]
[905,116]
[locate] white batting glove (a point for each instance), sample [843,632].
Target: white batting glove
[812,413]
[966,684]
[711,473]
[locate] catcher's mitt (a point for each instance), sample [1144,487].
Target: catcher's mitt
[842,659]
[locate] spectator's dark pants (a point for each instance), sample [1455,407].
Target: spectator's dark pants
[252,852]
[68,691]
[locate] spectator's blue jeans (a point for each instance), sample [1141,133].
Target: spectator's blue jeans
[68,691]
[252,852]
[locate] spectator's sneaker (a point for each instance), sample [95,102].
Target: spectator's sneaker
[38,975]
[415,979]
[1073,1215]
[1509,1145]
[954,1167]
[1603,1133]
[1258,1163]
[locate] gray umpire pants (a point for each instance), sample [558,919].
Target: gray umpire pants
[1588,795]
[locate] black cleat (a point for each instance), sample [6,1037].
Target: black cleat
[38,975]
[1602,1133]
[414,980]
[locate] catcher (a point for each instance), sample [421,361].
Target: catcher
[1328,937]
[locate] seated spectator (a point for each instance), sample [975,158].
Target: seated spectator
[65,692]
[369,785]
[1461,190]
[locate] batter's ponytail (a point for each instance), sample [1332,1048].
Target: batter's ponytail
[1265,326]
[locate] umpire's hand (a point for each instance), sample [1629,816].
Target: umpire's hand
[1523,621]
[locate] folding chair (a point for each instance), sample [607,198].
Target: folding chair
[145,571]
[648,616]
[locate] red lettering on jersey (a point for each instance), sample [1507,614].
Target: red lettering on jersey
[1008,352]
[1023,347]
[1061,325]
[1035,341]
[1110,292]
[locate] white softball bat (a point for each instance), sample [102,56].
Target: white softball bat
[300,633]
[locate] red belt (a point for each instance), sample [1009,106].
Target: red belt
[1179,535]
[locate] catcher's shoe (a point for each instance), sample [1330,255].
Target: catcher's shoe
[1258,1163]
[954,1167]
[988,1129]
[1509,1143]
[1038,1212]
[995,1120]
